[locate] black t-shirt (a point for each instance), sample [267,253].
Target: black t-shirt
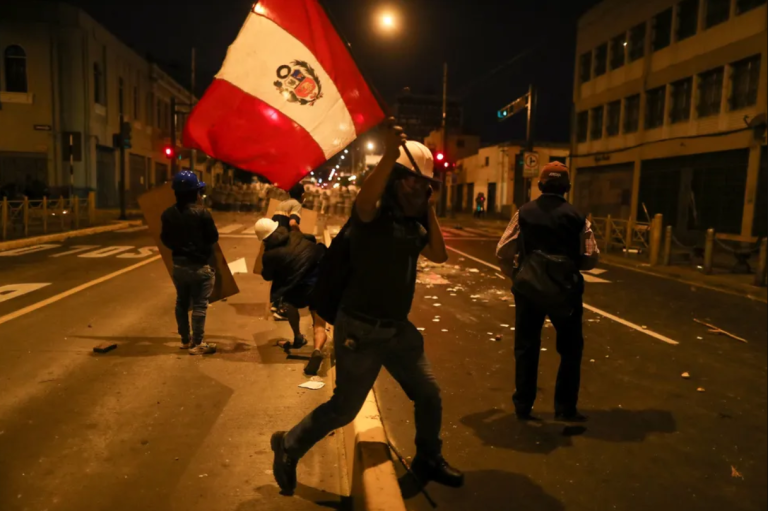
[384,254]
[189,232]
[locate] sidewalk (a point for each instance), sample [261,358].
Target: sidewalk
[721,280]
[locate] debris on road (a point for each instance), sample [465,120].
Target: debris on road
[444,330]
[436,304]
[543,349]
[504,326]
[436,320]
[421,329]
[715,330]
[474,270]
[736,473]
[498,337]
[701,389]
[312,385]
[592,360]
[104,347]
[686,376]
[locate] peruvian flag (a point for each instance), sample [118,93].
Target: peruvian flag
[288,97]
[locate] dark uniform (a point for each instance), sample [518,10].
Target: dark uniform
[553,226]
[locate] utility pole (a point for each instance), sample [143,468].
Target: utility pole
[443,191]
[122,154]
[192,153]
[174,159]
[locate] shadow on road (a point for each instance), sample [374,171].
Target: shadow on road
[481,491]
[499,429]
[272,499]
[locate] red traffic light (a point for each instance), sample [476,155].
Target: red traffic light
[168,152]
[446,165]
[440,156]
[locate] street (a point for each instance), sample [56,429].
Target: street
[653,440]
[145,426]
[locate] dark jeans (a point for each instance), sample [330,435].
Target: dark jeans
[570,345]
[194,284]
[361,351]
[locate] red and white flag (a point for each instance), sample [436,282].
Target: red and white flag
[288,97]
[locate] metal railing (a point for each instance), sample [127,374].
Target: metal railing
[23,218]
[657,242]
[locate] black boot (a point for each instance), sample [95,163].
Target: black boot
[283,466]
[315,361]
[435,468]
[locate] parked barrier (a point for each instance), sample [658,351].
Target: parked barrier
[19,218]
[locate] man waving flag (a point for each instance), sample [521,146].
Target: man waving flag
[288,97]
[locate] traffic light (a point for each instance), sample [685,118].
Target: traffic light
[439,156]
[169,152]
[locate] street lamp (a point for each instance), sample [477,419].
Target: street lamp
[370,146]
[387,21]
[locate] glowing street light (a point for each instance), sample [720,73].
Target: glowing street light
[370,146]
[346,151]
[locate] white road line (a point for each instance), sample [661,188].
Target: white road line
[15,290]
[229,229]
[455,232]
[586,306]
[77,248]
[27,250]
[594,280]
[596,271]
[250,230]
[65,294]
[134,229]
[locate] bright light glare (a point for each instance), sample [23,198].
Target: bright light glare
[370,146]
[342,156]
[336,185]
[352,178]
[387,21]
[346,151]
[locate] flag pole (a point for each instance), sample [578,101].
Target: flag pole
[382,104]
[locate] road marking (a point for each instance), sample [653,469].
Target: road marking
[238,266]
[15,290]
[143,252]
[594,280]
[479,232]
[229,229]
[455,232]
[134,229]
[106,252]
[77,248]
[586,306]
[65,294]
[250,230]
[27,250]
[596,271]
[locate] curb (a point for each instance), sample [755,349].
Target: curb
[751,292]
[373,484]
[26,242]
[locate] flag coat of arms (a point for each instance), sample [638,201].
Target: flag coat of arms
[288,97]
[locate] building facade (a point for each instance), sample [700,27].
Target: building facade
[670,109]
[492,172]
[420,114]
[64,83]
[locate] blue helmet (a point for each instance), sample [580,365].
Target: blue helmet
[186,181]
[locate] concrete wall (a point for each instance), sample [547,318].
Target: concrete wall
[743,35]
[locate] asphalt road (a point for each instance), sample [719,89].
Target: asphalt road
[653,440]
[146,426]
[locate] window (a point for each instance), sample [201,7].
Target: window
[654,107]
[636,47]
[15,69]
[149,104]
[662,30]
[745,76]
[487,161]
[687,19]
[614,119]
[618,47]
[601,57]
[710,92]
[596,133]
[743,6]
[582,126]
[717,12]
[680,109]
[585,67]
[632,114]
[98,84]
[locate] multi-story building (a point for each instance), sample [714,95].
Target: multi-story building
[420,114]
[670,110]
[65,81]
[491,171]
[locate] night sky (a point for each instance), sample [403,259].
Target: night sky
[473,37]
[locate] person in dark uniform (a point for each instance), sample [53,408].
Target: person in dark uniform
[554,227]
[393,222]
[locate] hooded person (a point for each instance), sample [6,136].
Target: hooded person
[292,262]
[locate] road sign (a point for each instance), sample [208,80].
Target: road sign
[531,164]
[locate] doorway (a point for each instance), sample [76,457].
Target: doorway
[106,185]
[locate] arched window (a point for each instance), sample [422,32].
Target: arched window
[15,69]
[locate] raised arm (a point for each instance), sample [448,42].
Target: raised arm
[373,188]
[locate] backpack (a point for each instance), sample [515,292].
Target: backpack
[333,276]
[551,282]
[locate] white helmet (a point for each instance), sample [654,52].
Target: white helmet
[265,227]
[421,155]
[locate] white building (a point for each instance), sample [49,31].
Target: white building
[670,109]
[492,171]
